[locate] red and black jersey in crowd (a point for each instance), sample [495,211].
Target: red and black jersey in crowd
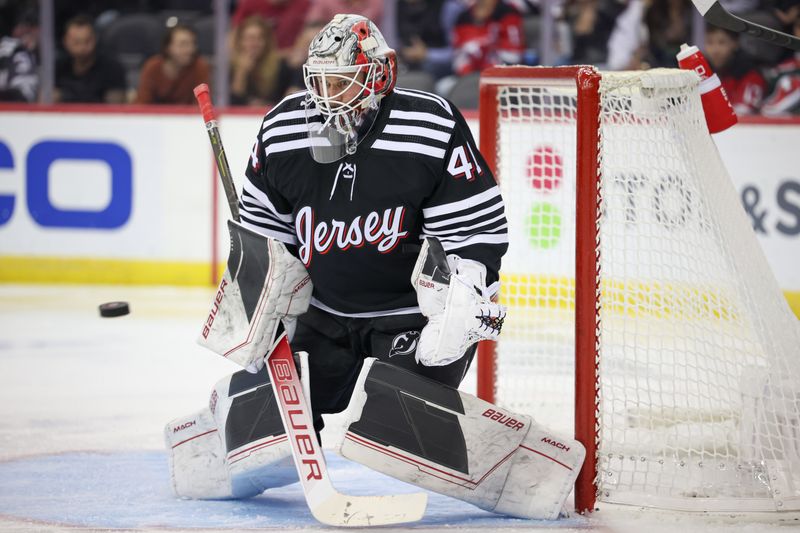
[744,84]
[357,224]
[785,96]
[481,44]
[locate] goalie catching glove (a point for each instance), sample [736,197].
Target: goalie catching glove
[452,293]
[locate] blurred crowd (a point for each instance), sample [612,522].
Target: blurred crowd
[156,51]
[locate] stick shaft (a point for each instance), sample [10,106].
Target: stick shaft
[714,13]
[203,96]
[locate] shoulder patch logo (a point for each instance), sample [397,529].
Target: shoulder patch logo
[405,343]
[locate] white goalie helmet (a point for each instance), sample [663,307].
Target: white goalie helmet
[349,69]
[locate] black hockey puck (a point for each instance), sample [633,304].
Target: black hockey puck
[112,309]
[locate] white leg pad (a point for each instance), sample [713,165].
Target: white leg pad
[541,475]
[196,457]
[235,448]
[444,440]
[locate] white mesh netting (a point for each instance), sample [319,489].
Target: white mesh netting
[699,352]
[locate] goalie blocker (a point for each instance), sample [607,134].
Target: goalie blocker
[439,438]
[263,285]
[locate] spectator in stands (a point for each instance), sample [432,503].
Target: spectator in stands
[286,16]
[627,44]
[26,29]
[171,76]
[19,80]
[19,77]
[424,42]
[82,75]
[786,11]
[486,34]
[296,57]
[259,75]
[784,98]
[669,23]
[324,10]
[736,69]
[592,22]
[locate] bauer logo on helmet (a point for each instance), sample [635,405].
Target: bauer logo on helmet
[349,69]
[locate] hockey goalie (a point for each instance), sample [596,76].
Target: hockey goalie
[372,231]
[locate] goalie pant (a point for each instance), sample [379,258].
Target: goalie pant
[337,347]
[398,423]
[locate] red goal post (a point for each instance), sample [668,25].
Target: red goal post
[588,111]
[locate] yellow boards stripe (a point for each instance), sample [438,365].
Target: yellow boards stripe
[17,269]
[632,298]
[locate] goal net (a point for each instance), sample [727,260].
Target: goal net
[633,272]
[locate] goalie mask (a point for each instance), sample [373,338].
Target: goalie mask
[349,69]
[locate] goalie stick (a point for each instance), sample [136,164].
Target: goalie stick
[717,15]
[326,504]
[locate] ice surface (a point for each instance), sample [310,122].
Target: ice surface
[83,401]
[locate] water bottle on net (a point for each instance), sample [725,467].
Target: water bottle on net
[717,107]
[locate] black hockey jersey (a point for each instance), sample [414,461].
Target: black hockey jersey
[19,80]
[357,223]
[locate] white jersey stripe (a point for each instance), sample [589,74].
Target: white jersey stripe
[262,214]
[501,238]
[492,231]
[418,131]
[425,117]
[290,115]
[285,130]
[427,96]
[296,144]
[262,198]
[461,205]
[469,216]
[417,148]
[450,231]
[279,235]
[259,217]
[400,311]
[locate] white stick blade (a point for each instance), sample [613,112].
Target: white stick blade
[359,511]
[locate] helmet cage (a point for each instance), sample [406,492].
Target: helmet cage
[328,86]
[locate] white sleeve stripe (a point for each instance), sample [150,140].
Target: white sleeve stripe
[418,131]
[427,96]
[278,225]
[296,144]
[469,216]
[492,231]
[424,117]
[262,198]
[448,231]
[289,115]
[461,205]
[396,146]
[279,235]
[285,130]
[266,216]
[501,238]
